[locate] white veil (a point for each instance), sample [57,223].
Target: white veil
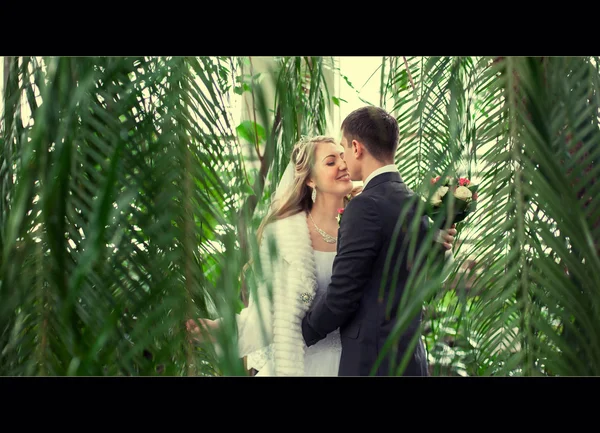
[285,183]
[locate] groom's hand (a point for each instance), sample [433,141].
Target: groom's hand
[446,237]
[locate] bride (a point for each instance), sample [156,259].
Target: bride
[303,224]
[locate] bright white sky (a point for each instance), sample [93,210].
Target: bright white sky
[363,73]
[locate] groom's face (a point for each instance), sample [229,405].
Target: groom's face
[350,159]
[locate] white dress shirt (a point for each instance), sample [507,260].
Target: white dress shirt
[390,168]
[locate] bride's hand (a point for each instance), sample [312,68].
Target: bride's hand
[199,328]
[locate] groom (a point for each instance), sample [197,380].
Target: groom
[367,232]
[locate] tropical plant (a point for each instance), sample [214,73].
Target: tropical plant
[126,203]
[527,130]
[131,196]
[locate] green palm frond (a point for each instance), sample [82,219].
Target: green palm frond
[526,130]
[131,198]
[124,187]
[434,117]
[130,181]
[537,223]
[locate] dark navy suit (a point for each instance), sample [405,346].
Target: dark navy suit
[354,301]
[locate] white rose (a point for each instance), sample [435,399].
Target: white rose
[463,193]
[436,200]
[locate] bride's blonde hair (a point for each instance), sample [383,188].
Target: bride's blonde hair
[298,196]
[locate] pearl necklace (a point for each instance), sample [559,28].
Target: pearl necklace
[326,237]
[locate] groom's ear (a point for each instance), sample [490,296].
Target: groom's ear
[357,149]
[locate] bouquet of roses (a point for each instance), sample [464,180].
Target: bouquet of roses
[457,205]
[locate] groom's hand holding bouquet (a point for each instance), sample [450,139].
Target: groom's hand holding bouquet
[455,199]
[452,201]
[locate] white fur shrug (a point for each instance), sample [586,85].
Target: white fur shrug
[272,331]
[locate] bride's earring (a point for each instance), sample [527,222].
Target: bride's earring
[314,194]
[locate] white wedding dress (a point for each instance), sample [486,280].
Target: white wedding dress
[322,358]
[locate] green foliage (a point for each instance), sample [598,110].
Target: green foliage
[526,129]
[130,202]
[123,196]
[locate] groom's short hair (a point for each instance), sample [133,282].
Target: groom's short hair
[375,128]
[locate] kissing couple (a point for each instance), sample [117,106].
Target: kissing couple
[320,310]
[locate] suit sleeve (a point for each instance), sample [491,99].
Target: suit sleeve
[359,244]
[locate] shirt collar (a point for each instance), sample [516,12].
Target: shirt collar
[391,168]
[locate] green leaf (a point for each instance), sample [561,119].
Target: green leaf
[251,132]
